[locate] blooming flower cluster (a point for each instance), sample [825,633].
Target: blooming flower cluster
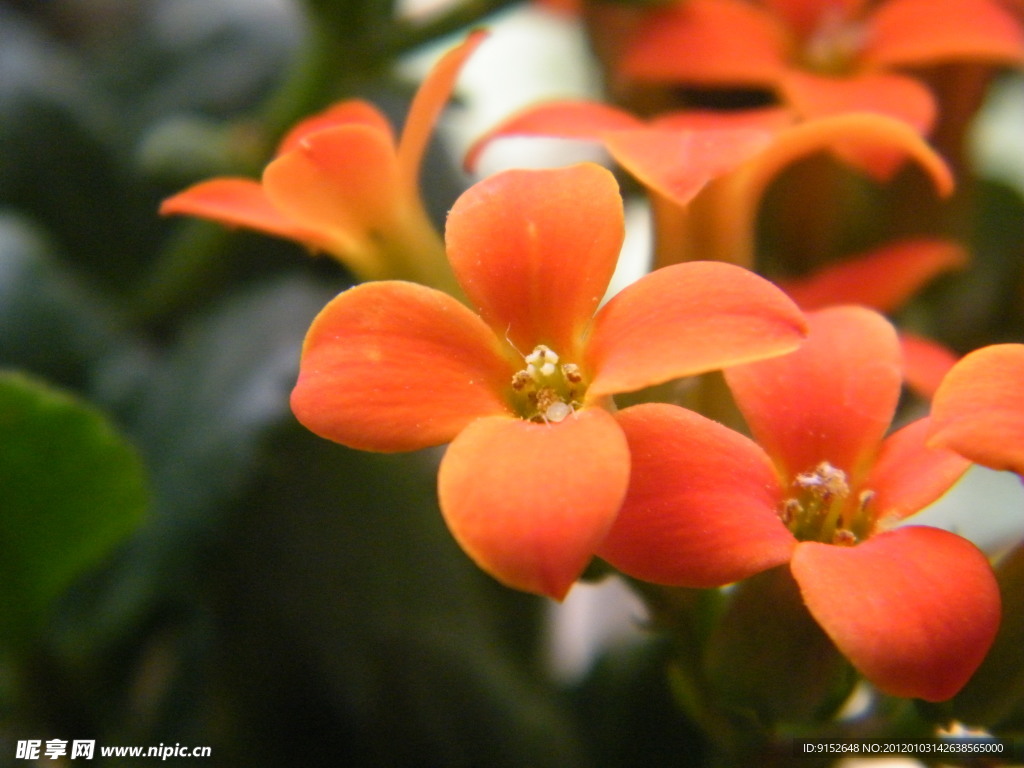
[538,464]
[823,58]
[821,490]
[500,343]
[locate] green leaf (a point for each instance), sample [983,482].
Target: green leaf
[345,602]
[994,696]
[768,655]
[199,414]
[59,164]
[629,712]
[50,322]
[71,488]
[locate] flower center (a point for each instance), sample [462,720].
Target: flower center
[820,508]
[833,46]
[546,389]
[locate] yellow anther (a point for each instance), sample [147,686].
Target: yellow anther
[520,379]
[825,481]
[844,538]
[547,391]
[541,355]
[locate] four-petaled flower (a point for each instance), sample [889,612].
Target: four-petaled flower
[978,410]
[823,57]
[885,279]
[706,172]
[537,465]
[914,608]
[341,184]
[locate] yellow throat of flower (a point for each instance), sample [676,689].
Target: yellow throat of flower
[822,508]
[833,47]
[546,389]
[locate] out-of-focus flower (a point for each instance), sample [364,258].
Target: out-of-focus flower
[692,146]
[341,184]
[978,410]
[537,465]
[823,57]
[884,279]
[914,608]
[706,172]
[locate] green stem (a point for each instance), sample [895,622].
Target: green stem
[186,267]
[687,617]
[340,53]
[195,253]
[323,72]
[461,16]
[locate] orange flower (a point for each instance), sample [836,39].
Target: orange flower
[885,279]
[978,410]
[341,184]
[914,608]
[675,154]
[823,57]
[537,465]
[706,172]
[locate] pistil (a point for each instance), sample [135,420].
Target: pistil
[834,44]
[545,389]
[815,512]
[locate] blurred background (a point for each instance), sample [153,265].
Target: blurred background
[231,580]
[282,599]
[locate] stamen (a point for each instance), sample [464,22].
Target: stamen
[835,43]
[863,523]
[520,379]
[541,354]
[819,509]
[544,398]
[790,511]
[572,373]
[550,389]
[864,498]
[844,538]
[825,481]
[558,411]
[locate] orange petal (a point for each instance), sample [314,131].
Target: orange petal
[886,93]
[393,366]
[679,163]
[769,119]
[237,203]
[586,120]
[350,112]
[702,507]
[924,32]
[535,250]
[714,42]
[914,609]
[530,502]
[925,363]
[908,475]
[808,16]
[831,400]
[342,182]
[426,107]
[883,279]
[865,140]
[978,410]
[687,319]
